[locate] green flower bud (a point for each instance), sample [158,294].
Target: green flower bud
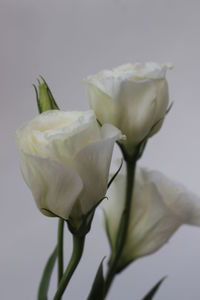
[45,99]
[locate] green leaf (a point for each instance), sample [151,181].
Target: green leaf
[154,290]
[46,276]
[44,97]
[97,290]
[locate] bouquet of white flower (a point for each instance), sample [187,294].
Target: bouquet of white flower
[65,160]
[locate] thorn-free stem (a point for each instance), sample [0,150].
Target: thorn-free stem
[78,246]
[123,227]
[60,249]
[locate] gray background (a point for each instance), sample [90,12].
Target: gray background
[65,41]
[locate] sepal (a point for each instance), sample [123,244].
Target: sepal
[115,175]
[139,149]
[80,226]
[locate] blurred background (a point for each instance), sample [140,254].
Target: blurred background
[66,40]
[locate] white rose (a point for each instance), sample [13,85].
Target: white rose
[159,207]
[65,159]
[131,97]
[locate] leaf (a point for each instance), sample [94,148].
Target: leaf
[154,290]
[46,276]
[97,290]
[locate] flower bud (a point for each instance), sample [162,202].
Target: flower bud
[133,98]
[45,99]
[65,159]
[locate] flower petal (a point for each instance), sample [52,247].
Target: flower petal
[105,107]
[159,208]
[55,187]
[186,205]
[137,104]
[93,164]
[57,134]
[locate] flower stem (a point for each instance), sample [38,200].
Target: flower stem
[123,227]
[78,246]
[60,249]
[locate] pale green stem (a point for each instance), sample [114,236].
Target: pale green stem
[60,249]
[78,245]
[123,227]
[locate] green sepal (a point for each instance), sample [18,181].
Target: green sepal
[139,149]
[115,175]
[44,97]
[46,276]
[97,290]
[81,226]
[150,295]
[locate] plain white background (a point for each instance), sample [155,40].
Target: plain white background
[66,40]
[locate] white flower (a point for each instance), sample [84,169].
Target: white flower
[133,98]
[159,207]
[65,159]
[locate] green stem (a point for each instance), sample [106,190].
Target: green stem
[60,249]
[78,245]
[123,227]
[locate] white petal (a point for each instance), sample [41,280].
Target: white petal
[65,149]
[137,105]
[105,81]
[151,70]
[110,131]
[69,130]
[184,204]
[159,208]
[103,104]
[55,187]
[113,208]
[92,164]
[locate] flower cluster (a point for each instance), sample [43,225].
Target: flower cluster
[65,159]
